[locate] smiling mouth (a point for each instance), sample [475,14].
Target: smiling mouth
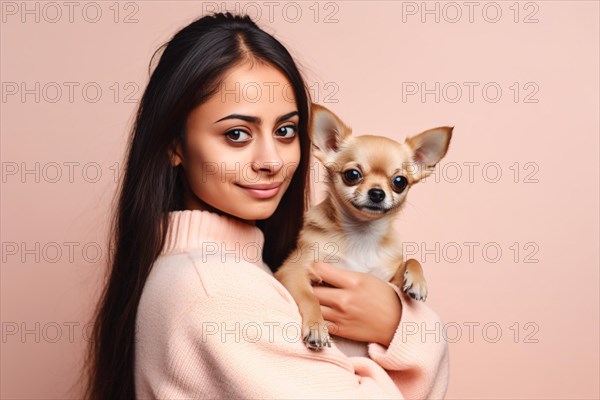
[266,193]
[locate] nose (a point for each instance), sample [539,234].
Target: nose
[267,157]
[376,195]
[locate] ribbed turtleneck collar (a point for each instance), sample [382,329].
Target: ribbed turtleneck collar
[213,233]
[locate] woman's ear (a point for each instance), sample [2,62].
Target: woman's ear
[175,155]
[327,132]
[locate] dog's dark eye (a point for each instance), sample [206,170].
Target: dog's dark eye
[399,183]
[352,175]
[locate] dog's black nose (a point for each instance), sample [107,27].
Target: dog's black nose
[376,195]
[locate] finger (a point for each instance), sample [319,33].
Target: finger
[326,295]
[338,277]
[330,316]
[331,320]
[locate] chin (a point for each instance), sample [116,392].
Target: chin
[257,211]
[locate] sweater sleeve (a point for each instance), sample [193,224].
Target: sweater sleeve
[241,338]
[417,358]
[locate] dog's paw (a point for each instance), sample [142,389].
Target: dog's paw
[414,287]
[315,335]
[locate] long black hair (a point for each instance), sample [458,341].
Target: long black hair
[189,71]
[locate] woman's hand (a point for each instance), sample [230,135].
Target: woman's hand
[361,306]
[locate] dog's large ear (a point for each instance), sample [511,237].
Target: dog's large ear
[327,132]
[428,148]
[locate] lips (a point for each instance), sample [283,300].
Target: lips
[262,186]
[262,190]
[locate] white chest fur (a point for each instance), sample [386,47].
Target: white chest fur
[361,250]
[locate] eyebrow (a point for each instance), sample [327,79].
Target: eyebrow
[257,120]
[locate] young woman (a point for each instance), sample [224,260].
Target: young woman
[211,203]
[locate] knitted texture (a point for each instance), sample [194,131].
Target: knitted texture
[213,322]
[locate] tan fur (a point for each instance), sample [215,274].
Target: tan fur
[336,231]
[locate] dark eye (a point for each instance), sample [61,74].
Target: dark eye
[288,131]
[399,183]
[352,176]
[235,134]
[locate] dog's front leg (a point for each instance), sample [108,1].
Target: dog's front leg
[296,277]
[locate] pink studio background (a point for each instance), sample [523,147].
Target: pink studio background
[540,293]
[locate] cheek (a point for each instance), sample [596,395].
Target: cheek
[203,167]
[291,152]
[290,156]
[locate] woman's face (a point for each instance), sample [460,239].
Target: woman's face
[244,135]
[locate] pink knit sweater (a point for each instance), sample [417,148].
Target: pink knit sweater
[213,322]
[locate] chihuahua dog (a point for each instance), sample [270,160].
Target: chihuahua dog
[368,178]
